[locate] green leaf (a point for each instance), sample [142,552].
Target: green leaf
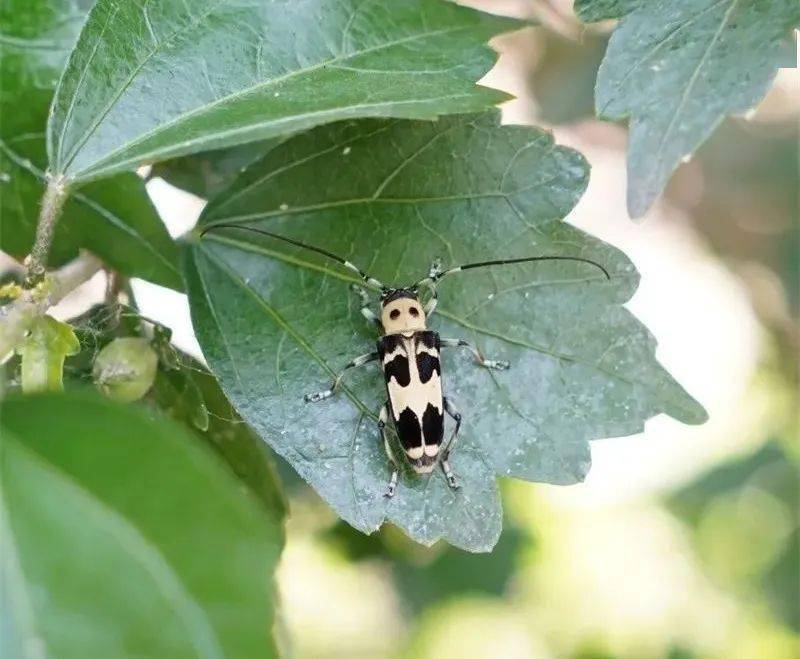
[590,11]
[191,395]
[276,323]
[208,174]
[43,352]
[116,525]
[114,219]
[147,82]
[676,68]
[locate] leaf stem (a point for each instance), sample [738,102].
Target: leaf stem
[16,317]
[52,204]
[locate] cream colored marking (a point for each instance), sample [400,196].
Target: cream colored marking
[389,356]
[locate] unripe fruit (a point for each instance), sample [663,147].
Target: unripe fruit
[125,369]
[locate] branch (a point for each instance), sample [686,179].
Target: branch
[52,203]
[16,317]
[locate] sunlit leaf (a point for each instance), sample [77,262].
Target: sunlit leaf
[276,323]
[149,81]
[123,536]
[676,68]
[114,219]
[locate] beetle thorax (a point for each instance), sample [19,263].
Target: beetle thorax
[402,315]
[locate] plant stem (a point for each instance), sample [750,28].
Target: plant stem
[16,317]
[52,204]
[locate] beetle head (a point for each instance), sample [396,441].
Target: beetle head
[402,312]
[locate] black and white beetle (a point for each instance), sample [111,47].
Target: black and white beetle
[409,355]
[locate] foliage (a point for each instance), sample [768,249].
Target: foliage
[114,218]
[274,328]
[358,127]
[676,68]
[115,525]
[150,81]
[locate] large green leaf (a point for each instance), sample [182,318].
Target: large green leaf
[209,173]
[676,68]
[275,323]
[149,81]
[122,536]
[191,395]
[114,219]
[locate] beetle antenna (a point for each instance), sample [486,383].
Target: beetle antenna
[435,275]
[367,279]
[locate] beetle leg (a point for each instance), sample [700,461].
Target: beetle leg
[433,300]
[488,363]
[358,361]
[382,419]
[368,313]
[452,410]
[430,305]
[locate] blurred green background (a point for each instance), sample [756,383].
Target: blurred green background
[684,542]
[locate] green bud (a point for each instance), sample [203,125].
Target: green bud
[125,369]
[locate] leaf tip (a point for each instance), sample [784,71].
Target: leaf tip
[696,414]
[639,200]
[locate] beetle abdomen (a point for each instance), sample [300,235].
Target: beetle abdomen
[412,372]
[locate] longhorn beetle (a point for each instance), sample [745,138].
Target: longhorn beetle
[409,356]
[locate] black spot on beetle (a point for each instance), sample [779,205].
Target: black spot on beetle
[408,429]
[433,425]
[428,338]
[427,364]
[389,343]
[398,369]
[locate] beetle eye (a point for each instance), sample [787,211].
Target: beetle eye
[413,311]
[394,314]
